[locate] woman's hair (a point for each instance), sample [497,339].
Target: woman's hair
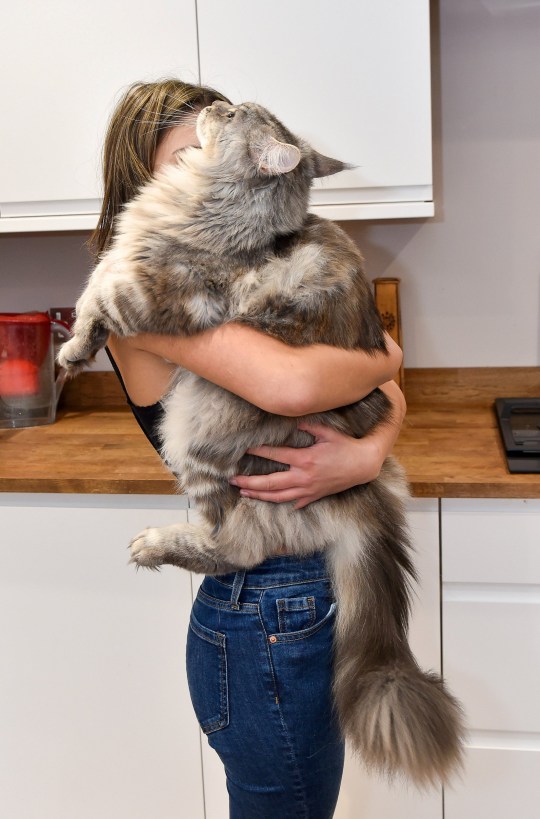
[138,123]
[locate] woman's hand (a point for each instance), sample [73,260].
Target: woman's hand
[333,463]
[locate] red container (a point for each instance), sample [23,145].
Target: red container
[29,391]
[24,344]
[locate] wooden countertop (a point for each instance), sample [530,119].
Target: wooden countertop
[449,444]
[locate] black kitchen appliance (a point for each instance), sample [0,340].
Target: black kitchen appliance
[519,422]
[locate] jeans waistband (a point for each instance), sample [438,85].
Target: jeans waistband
[279,571]
[246,587]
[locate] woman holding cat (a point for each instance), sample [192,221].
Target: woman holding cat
[275,732]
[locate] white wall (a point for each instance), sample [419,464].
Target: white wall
[470,276]
[42,270]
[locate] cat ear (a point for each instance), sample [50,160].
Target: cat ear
[326,166]
[275,158]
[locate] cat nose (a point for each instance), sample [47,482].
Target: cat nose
[220,106]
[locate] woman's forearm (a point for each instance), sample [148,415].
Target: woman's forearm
[272,375]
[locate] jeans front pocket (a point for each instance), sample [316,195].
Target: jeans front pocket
[206,661]
[297,610]
[292,636]
[295,613]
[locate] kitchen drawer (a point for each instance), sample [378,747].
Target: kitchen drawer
[490,541]
[491,657]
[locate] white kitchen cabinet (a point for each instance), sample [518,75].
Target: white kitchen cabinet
[363,796]
[94,706]
[499,784]
[64,68]
[491,655]
[351,78]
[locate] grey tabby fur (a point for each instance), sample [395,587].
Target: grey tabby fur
[223,236]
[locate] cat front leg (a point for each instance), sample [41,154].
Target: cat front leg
[110,303]
[79,351]
[184,545]
[92,325]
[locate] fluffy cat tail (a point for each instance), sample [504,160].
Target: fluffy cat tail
[399,719]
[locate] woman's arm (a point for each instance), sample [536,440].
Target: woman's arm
[335,462]
[266,372]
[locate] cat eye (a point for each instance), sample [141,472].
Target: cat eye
[230,114]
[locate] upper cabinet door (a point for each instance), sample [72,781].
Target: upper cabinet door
[351,78]
[65,66]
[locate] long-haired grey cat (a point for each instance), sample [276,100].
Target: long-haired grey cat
[224,235]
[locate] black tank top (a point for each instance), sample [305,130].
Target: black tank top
[148,417]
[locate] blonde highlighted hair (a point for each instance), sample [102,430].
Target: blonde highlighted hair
[138,123]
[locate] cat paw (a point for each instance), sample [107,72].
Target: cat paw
[148,549]
[90,335]
[73,356]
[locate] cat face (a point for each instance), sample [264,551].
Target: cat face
[249,141]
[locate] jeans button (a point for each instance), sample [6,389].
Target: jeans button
[273,639]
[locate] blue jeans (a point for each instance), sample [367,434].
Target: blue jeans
[259,666]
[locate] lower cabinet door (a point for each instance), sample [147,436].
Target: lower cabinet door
[363,796]
[499,783]
[96,720]
[491,634]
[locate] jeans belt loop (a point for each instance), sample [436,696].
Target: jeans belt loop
[237,588]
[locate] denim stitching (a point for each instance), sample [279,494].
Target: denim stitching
[297,777]
[283,611]
[311,604]
[223,721]
[265,638]
[298,582]
[206,599]
[214,637]
[217,639]
[291,636]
